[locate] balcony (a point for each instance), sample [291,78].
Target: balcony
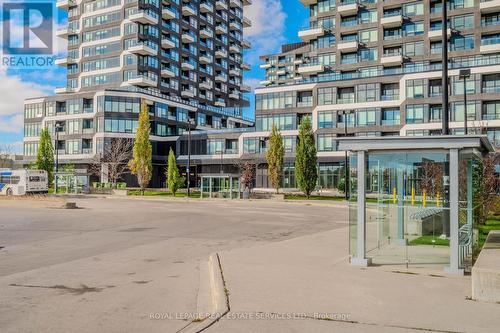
[298,62]
[167,13]
[206,85]
[62,33]
[391,21]
[235,95]
[308,2]
[221,53]
[206,7]
[246,2]
[489,48]
[246,67]
[64,61]
[63,4]
[281,72]
[187,66]
[391,60]
[310,69]
[188,10]
[188,38]
[245,88]
[142,81]
[489,6]
[265,66]
[220,29]
[311,33]
[437,34]
[234,48]
[167,43]
[221,5]
[266,82]
[220,103]
[64,90]
[220,78]
[235,72]
[348,9]
[144,18]
[246,22]
[246,44]
[188,92]
[167,72]
[205,33]
[349,46]
[205,59]
[143,49]
[235,3]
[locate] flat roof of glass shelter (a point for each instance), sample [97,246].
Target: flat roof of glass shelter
[420,208]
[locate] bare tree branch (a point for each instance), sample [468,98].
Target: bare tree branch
[5,156]
[116,155]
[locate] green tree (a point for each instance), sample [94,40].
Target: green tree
[275,157]
[174,179]
[141,163]
[45,154]
[306,171]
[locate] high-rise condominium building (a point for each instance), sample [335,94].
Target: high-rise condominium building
[371,68]
[183,58]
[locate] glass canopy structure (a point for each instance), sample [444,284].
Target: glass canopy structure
[412,199]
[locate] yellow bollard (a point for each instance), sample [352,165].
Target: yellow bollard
[394,195]
[424,198]
[412,196]
[438,201]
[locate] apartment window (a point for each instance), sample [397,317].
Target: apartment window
[330,175]
[368,54]
[493,135]
[112,125]
[413,9]
[462,22]
[349,58]
[367,92]
[327,59]
[391,116]
[491,83]
[436,7]
[345,95]
[455,4]
[490,39]
[283,122]
[326,142]
[392,33]
[436,47]
[413,49]
[490,19]
[289,143]
[326,119]
[415,114]
[279,100]
[435,88]
[413,29]
[368,36]
[435,112]
[324,42]
[392,51]
[30,148]
[366,117]
[457,110]
[73,147]
[326,96]
[461,43]
[368,16]
[415,88]
[491,110]
[73,127]
[457,84]
[390,92]
[323,6]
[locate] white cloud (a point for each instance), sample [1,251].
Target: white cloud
[253,82]
[267,30]
[13,92]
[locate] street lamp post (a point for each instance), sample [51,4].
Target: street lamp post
[188,166]
[465,74]
[221,161]
[346,158]
[262,143]
[57,127]
[445,120]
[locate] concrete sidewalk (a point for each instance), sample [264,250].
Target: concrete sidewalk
[311,275]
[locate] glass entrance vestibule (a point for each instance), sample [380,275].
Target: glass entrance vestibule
[412,199]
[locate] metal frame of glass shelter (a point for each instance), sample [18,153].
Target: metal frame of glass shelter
[412,199]
[225,186]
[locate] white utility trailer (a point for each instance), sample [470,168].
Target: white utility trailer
[21,182]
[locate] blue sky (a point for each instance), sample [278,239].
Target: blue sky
[275,22]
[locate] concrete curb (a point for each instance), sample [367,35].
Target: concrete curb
[213,299]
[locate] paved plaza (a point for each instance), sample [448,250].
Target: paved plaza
[136,265]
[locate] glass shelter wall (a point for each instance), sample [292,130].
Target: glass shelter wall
[407,207]
[220,186]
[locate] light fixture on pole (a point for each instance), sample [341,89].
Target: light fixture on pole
[464,74]
[57,127]
[188,166]
[445,116]
[345,113]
